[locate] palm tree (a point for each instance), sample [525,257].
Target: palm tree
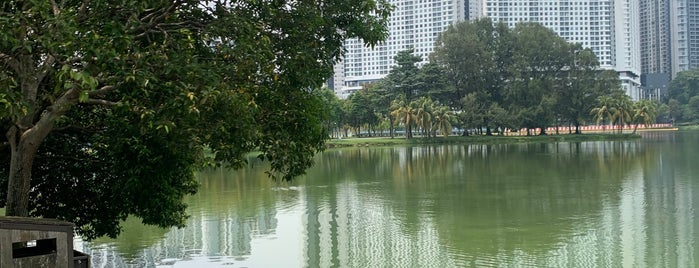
[405,114]
[644,112]
[621,112]
[442,120]
[604,110]
[423,114]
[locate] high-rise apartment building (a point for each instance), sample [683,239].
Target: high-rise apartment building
[474,9]
[413,24]
[656,47]
[684,17]
[655,36]
[669,41]
[608,27]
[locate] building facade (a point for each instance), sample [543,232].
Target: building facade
[414,24]
[669,41]
[684,31]
[655,36]
[608,27]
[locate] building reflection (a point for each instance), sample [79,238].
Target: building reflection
[205,236]
[352,229]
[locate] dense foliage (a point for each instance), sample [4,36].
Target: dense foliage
[489,77]
[108,106]
[683,98]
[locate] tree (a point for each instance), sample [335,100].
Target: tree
[682,90]
[361,110]
[616,108]
[122,99]
[583,84]
[404,113]
[333,105]
[442,119]
[423,114]
[541,61]
[674,110]
[473,113]
[604,110]
[531,73]
[621,109]
[684,86]
[691,109]
[381,95]
[644,112]
[433,77]
[404,77]
[467,53]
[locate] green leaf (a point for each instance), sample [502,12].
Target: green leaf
[84,96]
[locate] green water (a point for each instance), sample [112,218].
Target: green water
[590,204]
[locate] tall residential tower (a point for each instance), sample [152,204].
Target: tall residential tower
[669,41]
[684,31]
[413,24]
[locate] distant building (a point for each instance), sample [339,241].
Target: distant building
[684,30]
[608,27]
[669,42]
[413,24]
[655,85]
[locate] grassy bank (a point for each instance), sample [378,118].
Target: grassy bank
[690,127]
[383,141]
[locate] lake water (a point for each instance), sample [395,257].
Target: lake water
[589,204]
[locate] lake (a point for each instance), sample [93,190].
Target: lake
[589,204]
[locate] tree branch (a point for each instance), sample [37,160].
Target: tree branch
[153,19]
[71,60]
[101,91]
[9,60]
[100,102]
[45,67]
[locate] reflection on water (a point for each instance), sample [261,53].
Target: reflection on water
[592,204]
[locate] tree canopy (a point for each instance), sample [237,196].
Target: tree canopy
[108,107]
[683,97]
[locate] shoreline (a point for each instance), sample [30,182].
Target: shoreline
[496,139]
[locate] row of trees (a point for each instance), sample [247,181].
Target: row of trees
[619,110]
[430,118]
[493,77]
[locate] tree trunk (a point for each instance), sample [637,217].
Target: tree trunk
[408,130]
[22,156]
[25,139]
[391,126]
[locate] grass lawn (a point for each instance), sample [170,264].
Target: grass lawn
[385,141]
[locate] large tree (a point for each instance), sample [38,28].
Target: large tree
[404,77]
[683,95]
[581,85]
[467,52]
[541,60]
[108,106]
